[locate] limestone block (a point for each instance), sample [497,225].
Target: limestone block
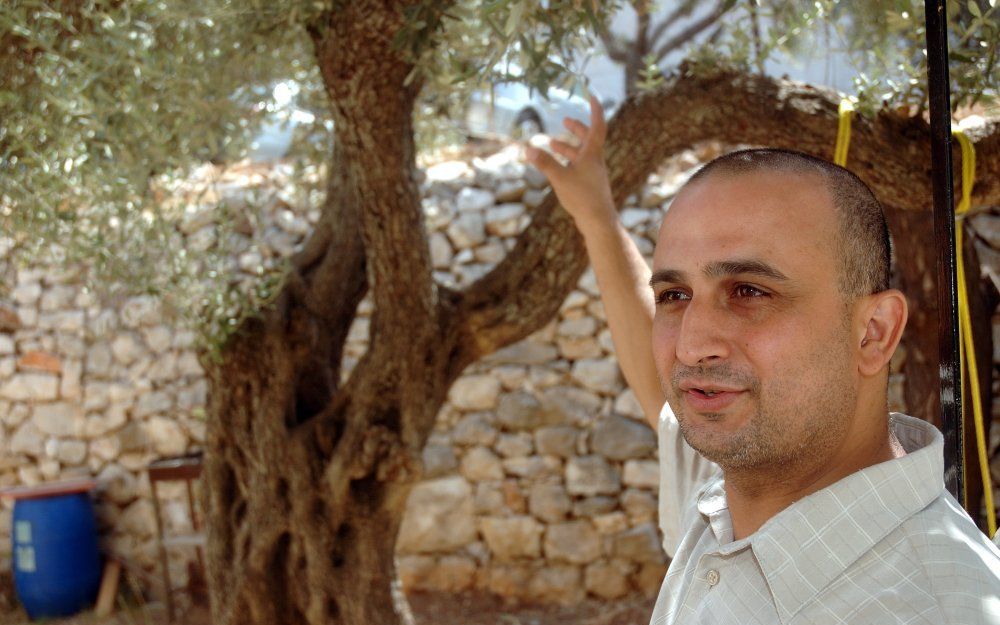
[600,375]
[474,429]
[26,293]
[141,311]
[71,452]
[521,411]
[474,199]
[532,467]
[504,220]
[105,448]
[27,439]
[40,361]
[467,230]
[594,506]
[188,365]
[69,384]
[575,541]
[640,544]
[513,497]
[125,348]
[108,420]
[591,475]
[572,405]
[59,419]
[99,360]
[166,436]
[642,474]
[620,438]
[152,403]
[490,253]
[512,537]
[526,352]
[133,438]
[576,328]
[454,174]
[439,517]
[608,579]
[549,502]
[438,460]
[441,252]
[30,386]
[490,498]
[511,376]
[158,338]
[514,445]
[163,368]
[640,506]
[7,366]
[475,392]
[117,484]
[579,348]
[49,468]
[611,523]
[95,395]
[628,404]
[557,440]
[509,580]
[511,190]
[16,415]
[6,345]
[480,464]
[559,584]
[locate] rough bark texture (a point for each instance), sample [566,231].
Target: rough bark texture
[306,478]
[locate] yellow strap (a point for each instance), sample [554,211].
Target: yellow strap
[846,111]
[967,351]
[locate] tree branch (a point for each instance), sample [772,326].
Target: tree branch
[693,30]
[888,152]
[679,13]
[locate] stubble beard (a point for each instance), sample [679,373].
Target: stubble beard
[791,424]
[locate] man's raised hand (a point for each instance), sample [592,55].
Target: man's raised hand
[582,183]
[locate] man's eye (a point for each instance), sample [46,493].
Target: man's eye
[747,291]
[671,295]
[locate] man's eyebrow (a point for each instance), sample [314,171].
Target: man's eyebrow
[666,275]
[722,268]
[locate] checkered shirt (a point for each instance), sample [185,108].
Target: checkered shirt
[885,545]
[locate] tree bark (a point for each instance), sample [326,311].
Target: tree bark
[307,478]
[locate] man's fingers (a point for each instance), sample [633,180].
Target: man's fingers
[597,126]
[577,127]
[564,149]
[545,162]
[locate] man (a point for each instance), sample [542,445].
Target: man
[759,349]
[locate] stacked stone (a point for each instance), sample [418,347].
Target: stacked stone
[540,476]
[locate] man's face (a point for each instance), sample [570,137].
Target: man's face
[751,335]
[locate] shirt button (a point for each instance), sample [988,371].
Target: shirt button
[712,577]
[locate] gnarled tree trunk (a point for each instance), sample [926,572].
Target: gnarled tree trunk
[306,478]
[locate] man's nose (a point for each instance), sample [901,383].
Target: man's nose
[701,339]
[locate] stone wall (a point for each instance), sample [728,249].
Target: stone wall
[541,474]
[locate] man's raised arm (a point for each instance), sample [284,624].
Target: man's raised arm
[622,274]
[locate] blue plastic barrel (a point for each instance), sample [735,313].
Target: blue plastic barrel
[57,565]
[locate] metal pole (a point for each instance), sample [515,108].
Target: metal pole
[936,17]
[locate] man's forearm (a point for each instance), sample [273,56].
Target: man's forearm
[623,278]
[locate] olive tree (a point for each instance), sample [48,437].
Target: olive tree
[306,476]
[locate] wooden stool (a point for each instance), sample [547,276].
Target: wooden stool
[186,469]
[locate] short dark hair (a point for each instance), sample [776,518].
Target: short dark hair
[863,236]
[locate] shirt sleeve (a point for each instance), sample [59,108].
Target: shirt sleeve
[683,471]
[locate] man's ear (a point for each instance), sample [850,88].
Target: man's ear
[884,315]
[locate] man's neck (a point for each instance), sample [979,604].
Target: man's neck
[756,495]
